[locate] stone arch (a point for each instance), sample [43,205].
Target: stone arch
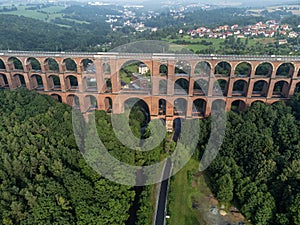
[199,107]
[108,85]
[3,81]
[257,102]
[19,80]
[162,106]
[297,88]
[200,87]
[37,82]
[73,100]
[163,87]
[90,84]
[264,69]
[220,87]
[285,70]
[223,68]
[108,104]
[91,102]
[69,65]
[181,86]
[281,89]
[71,82]
[57,97]
[180,107]
[33,64]
[54,82]
[238,106]
[15,64]
[131,102]
[163,70]
[203,68]
[182,68]
[239,88]
[51,65]
[2,65]
[243,69]
[218,105]
[87,66]
[260,88]
[106,68]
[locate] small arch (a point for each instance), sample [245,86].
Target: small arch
[243,69]
[70,65]
[54,82]
[180,107]
[297,88]
[218,105]
[162,106]
[203,69]
[37,82]
[220,87]
[91,102]
[238,106]
[285,70]
[57,97]
[281,89]
[73,100]
[264,69]
[181,87]
[223,68]
[257,102]
[108,104]
[15,64]
[2,65]
[88,66]
[163,87]
[163,70]
[33,64]
[260,89]
[51,65]
[199,107]
[71,82]
[90,84]
[182,68]
[108,88]
[3,81]
[200,87]
[20,80]
[239,88]
[106,68]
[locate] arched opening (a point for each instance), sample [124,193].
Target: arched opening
[223,69]
[106,68]
[177,128]
[238,106]
[239,88]
[2,65]
[264,69]
[200,87]
[285,70]
[297,88]
[90,84]
[260,89]
[54,83]
[202,69]
[108,105]
[69,65]
[135,76]
[181,87]
[71,82]
[20,80]
[163,70]
[138,110]
[91,102]
[73,101]
[51,65]
[182,68]
[88,66]
[3,81]
[163,87]
[281,89]
[218,106]
[162,106]
[199,106]
[15,64]
[243,70]
[37,82]
[180,107]
[220,87]
[298,75]
[33,64]
[108,85]
[257,103]
[57,97]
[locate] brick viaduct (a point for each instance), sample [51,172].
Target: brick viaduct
[92,80]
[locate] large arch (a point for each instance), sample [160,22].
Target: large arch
[2,65]
[54,82]
[71,82]
[260,89]
[162,106]
[70,65]
[33,64]
[163,87]
[88,66]
[163,70]
[200,87]
[3,81]
[181,87]
[135,104]
[57,97]
[15,64]
[180,107]
[281,89]
[243,69]
[51,64]
[264,69]
[182,68]
[285,70]
[240,88]
[223,69]
[203,69]
[220,87]
[20,80]
[37,82]
[238,106]
[199,107]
